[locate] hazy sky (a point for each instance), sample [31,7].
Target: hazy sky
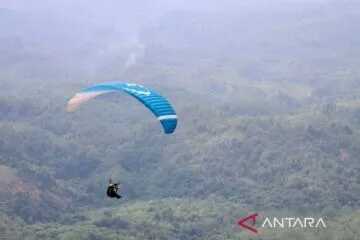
[149,6]
[136,12]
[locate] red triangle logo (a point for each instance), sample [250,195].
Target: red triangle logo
[249,223]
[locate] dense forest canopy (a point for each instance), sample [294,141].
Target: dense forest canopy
[267,95]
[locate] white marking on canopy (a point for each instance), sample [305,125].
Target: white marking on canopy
[165,117]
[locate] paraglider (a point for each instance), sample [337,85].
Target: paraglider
[112,190]
[156,103]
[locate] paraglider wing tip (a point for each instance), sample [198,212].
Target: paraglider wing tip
[81,98]
[169,123]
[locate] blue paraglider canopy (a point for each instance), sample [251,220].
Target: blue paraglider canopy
[157,104]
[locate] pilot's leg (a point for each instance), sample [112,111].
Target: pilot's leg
[117,196]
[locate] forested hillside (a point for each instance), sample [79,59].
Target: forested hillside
[268,105]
